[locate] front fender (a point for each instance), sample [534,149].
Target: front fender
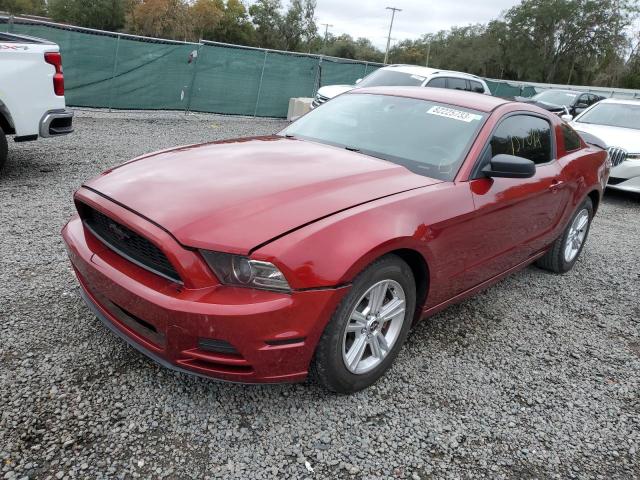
[331,252]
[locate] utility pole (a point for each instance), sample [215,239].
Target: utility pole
[326,34]
[393,14]
[428,53]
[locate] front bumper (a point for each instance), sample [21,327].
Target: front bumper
[56,122]
[626,176]
[227,333]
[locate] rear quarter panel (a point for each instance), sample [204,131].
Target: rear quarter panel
[585,170]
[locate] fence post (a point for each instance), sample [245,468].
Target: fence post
[318,80]
[10,28]
[193,78]
[113,73]
[366,67]
[264,64]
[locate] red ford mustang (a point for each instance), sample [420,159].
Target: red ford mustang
[262,259]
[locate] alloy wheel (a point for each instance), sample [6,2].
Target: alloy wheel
[374,326]
[576,236]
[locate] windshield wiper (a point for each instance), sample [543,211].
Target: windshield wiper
[352,149]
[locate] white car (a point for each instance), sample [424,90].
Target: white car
[31,91]
[617,123]
[407,76]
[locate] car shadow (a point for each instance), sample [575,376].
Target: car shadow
[619,197]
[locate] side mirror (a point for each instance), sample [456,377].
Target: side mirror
[567,117]
[509,166]
[358,81]
[581,105]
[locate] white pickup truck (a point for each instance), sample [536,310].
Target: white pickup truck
[31,91]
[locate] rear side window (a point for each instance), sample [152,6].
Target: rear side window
[571,138]
[476,86]
[439,82]
[523,136]
[457,83]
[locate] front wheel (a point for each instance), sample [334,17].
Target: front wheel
[565,250]
[368,328]
[4,149]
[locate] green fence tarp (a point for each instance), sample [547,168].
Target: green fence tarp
[107,70]
[509,90]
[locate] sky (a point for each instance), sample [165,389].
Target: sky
[368,18]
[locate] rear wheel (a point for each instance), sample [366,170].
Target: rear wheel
[368,328]
[565,250]
[4,149]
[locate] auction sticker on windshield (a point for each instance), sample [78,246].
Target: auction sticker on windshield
[455,114]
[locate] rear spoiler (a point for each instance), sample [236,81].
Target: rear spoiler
[591,139]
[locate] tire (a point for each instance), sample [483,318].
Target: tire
[557,259]
[4,149]
[337,345]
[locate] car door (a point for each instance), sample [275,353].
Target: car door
[514,218]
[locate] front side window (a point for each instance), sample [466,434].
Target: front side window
[439,82]
[428,138]
[583,100]
[523,136]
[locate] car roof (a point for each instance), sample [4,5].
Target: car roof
[427,71]
[474,101]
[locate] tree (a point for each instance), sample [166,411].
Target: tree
[206,16]
[235,26]
[101,14]
[266,16]
[298,27]
[559,35]
[29,7]
[161,19]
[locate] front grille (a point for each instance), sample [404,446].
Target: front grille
[617,155]
[128,243]
[319,100]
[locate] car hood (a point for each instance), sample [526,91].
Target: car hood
[331,91]
[626,138]
[235,195]
[552,107]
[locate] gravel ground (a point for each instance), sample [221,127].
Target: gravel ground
[538,377]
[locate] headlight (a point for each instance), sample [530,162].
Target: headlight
[244,272]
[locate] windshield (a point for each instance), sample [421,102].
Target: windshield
[391,78]
[613,114]
[556,97]
[428,138]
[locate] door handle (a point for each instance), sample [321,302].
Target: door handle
[556,185]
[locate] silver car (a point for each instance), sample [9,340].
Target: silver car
[616,122]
